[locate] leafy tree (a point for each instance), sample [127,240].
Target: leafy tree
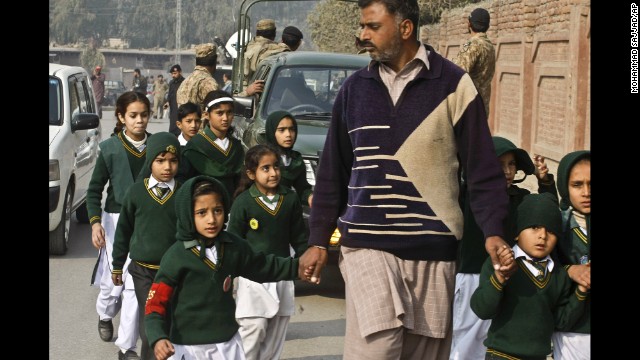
[334,24]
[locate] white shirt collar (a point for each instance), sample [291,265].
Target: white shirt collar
[153,182]
[182,140]
[517,252]
[223,143]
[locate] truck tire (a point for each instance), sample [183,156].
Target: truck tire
[59,237]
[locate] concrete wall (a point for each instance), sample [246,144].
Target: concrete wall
[540,97]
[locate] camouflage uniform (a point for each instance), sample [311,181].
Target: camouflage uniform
[478,58]
[196,87]
[258,49]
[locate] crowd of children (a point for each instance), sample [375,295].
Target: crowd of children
[184,216]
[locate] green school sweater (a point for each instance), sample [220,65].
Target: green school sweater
[295,176]
[573,248]
[201,311]
[202,156]
[269,231]
[146,226]
[118,164]
[525,311]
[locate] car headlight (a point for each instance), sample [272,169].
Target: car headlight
[311,166]
[54,170]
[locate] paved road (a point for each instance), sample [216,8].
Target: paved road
[316,330]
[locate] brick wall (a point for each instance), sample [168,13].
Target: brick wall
[540,96]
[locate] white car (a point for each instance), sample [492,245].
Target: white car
[74,135]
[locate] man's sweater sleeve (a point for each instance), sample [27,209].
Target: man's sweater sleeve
[486,182]
[330,192]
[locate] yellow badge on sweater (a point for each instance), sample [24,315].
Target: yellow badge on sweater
[253,223]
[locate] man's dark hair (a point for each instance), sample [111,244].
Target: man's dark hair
[406,9]
[290,40]
[292,36]
[269,34]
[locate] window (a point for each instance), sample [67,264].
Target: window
[55,102]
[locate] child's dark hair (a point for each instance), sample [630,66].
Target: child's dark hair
[188,108]
[251,162]
[207,187]
[123,102]
[215,95]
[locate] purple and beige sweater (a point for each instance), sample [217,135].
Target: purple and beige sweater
[388,175]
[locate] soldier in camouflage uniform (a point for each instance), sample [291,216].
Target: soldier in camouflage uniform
[478,56]
[263,46]
[196,87]
[263,41]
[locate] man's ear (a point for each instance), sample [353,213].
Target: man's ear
[406,28]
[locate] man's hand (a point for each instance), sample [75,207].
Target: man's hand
[256,87]
[311,264]
[501,255]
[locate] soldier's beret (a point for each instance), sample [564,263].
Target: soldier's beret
[206,54]
[479,19]
[203,50]
[292,31]
[266,24]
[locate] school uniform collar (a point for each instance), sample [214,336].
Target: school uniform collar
[255,193]
[182,140]
[153,182]
[519,253]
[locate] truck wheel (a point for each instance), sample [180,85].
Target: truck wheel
[59,237]
[82,214]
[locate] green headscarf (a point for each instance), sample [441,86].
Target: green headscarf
[564,169]
[185,227]
[273,120]
[523,161]
[156,144]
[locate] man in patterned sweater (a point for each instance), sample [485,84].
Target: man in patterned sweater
[402,130]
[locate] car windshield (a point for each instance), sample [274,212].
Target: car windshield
[306,90]
[54,101]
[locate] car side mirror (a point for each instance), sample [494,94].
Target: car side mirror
[84,121]
[243,106]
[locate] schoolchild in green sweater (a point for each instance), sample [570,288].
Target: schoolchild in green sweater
[269,216]
[281,130]
[214,151]
[119,162]
[147,224]
[469,331]
[194,282]
[538,297]
[574,248]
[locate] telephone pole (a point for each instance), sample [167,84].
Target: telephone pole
[178,27]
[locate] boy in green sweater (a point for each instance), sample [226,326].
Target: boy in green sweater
[147,224]
[469,332]
[194,283]
[527,307]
